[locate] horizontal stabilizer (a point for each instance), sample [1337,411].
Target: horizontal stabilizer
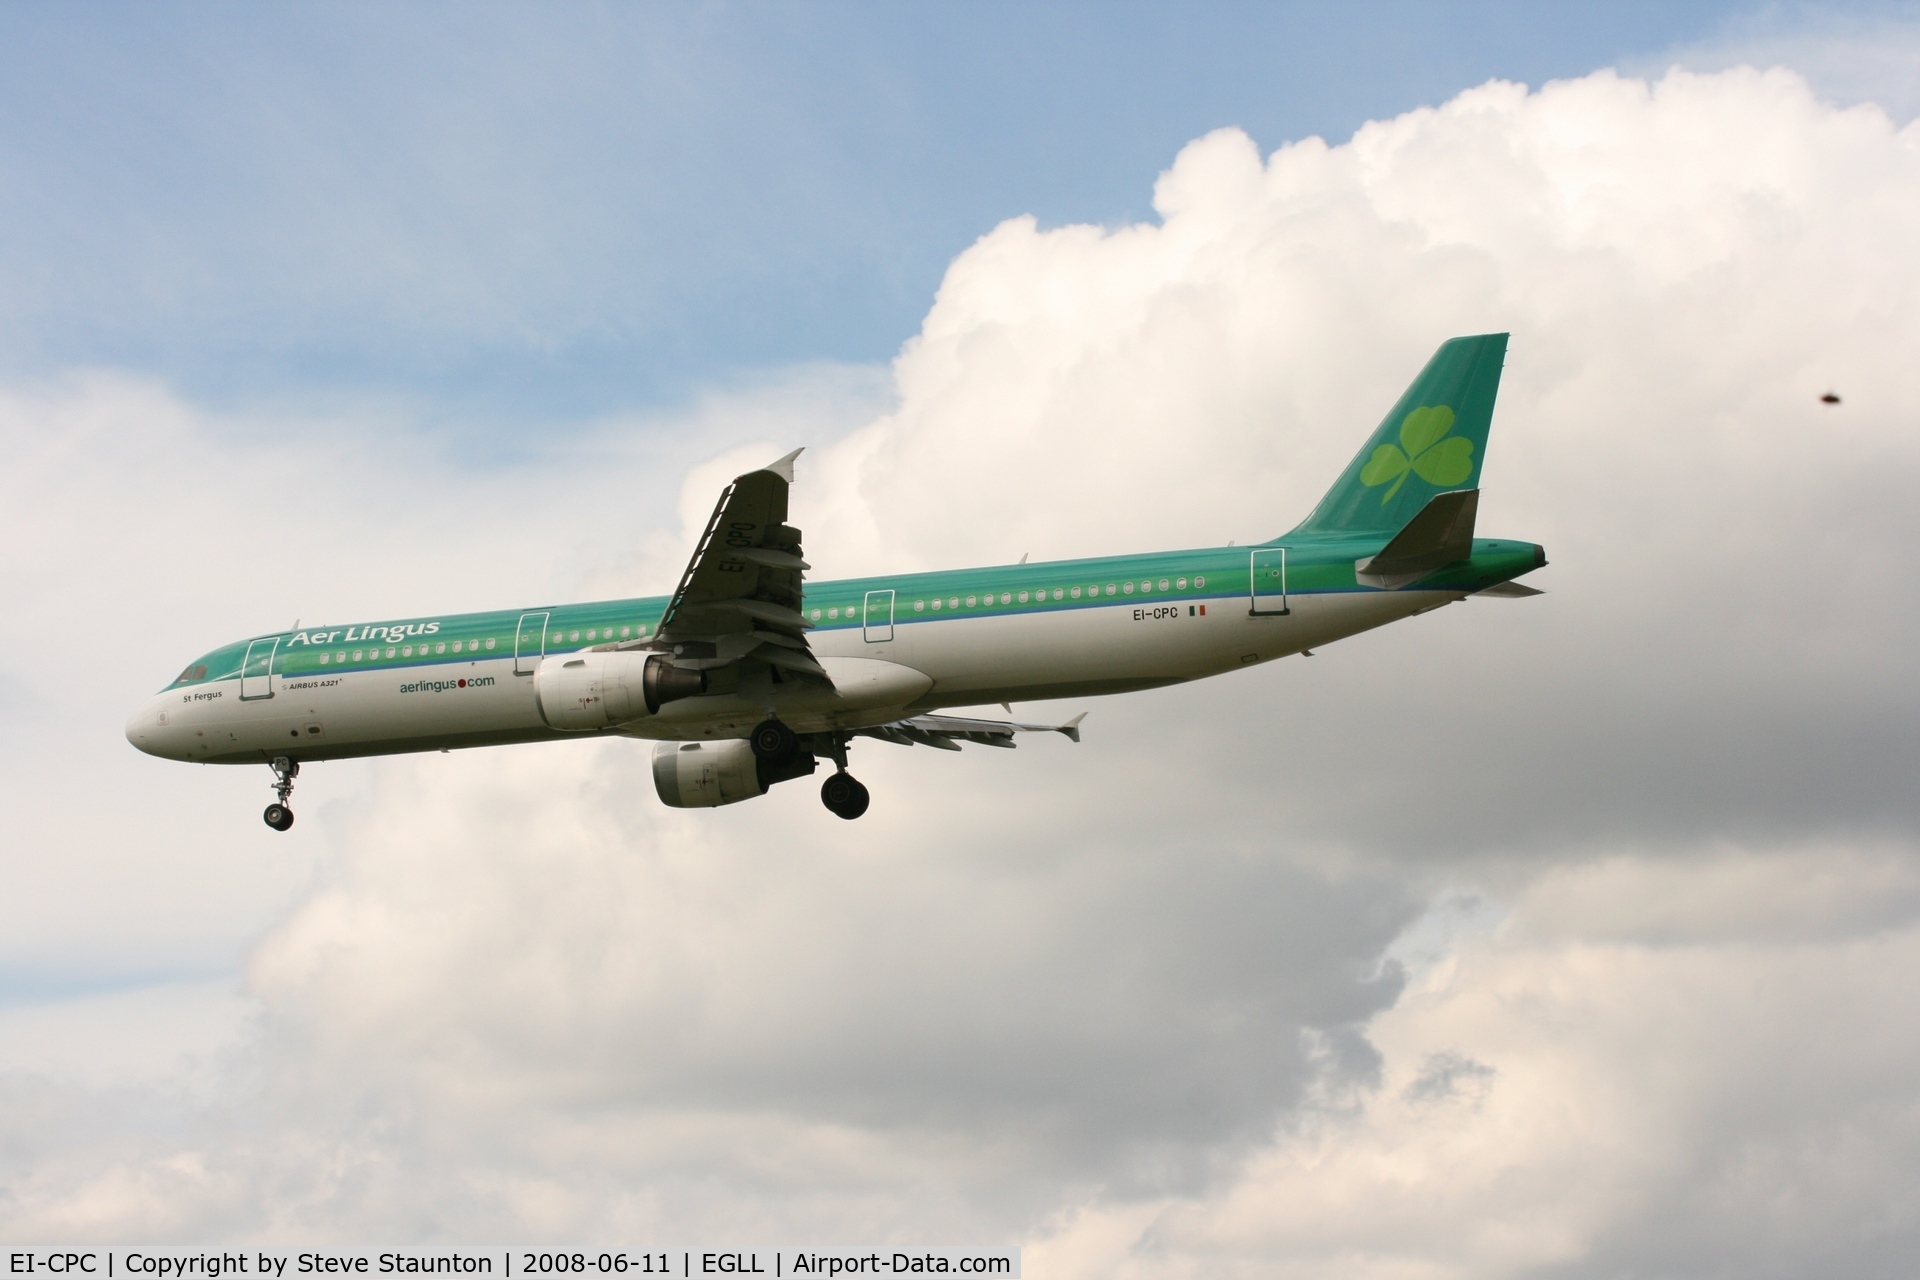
[948,732]
[1439,535]
[1509,591]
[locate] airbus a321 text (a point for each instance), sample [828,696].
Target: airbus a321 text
[749,675]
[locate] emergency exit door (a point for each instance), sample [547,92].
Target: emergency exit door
[529,643]
[877,624]
[1269,581]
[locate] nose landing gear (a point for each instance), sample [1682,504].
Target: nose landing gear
[278,816]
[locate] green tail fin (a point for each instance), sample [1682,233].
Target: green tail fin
[1433,441]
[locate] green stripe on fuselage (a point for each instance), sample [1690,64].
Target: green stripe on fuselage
[1218,573]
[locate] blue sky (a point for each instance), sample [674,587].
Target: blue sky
[504,215]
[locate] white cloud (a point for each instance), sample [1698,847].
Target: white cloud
[1557,1102]
[1126,1000]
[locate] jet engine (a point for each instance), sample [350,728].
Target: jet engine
[700,775]
[594,690]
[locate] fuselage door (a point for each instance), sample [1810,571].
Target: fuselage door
[529,643]
[877,622]
[256,669]
[1269,581]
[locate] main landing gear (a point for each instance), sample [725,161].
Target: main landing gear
[278,816]
[844,795]
[773,742]
[775,745]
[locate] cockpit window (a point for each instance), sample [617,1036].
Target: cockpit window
[198,672]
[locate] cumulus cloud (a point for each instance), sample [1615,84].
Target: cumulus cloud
[1592,1100]
[1850,54]
[1566,934]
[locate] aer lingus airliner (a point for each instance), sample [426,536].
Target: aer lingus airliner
[748,675]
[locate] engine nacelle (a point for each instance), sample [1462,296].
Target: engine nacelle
[700,775]
[580,691]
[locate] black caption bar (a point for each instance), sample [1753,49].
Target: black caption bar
[172,1263]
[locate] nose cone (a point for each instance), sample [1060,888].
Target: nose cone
[149,731]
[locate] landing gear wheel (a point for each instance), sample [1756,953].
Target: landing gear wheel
[844,796]
[285,770]
[773,742]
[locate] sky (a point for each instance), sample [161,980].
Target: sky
[500,216]
[1559,937]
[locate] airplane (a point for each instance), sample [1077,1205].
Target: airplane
[748,675]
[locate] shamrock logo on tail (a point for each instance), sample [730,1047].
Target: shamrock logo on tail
[1425,449]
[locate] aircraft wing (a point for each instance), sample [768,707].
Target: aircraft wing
[740,595]
[948,732]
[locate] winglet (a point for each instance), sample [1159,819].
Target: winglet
[1072,727]
[784,467]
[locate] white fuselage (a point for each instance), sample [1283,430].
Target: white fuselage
[928,663]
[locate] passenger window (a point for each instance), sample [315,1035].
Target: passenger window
[1023,597]
[1056,593]
[936,606]
[1076,593]
[489,645]
[1181,583]
[324,659]
[1199,583]
[919,606]
[953,602]
[970,601]
[1163,584]
[406,651]
[1006,597]
[389,653]
[1129,588]
[442,646]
